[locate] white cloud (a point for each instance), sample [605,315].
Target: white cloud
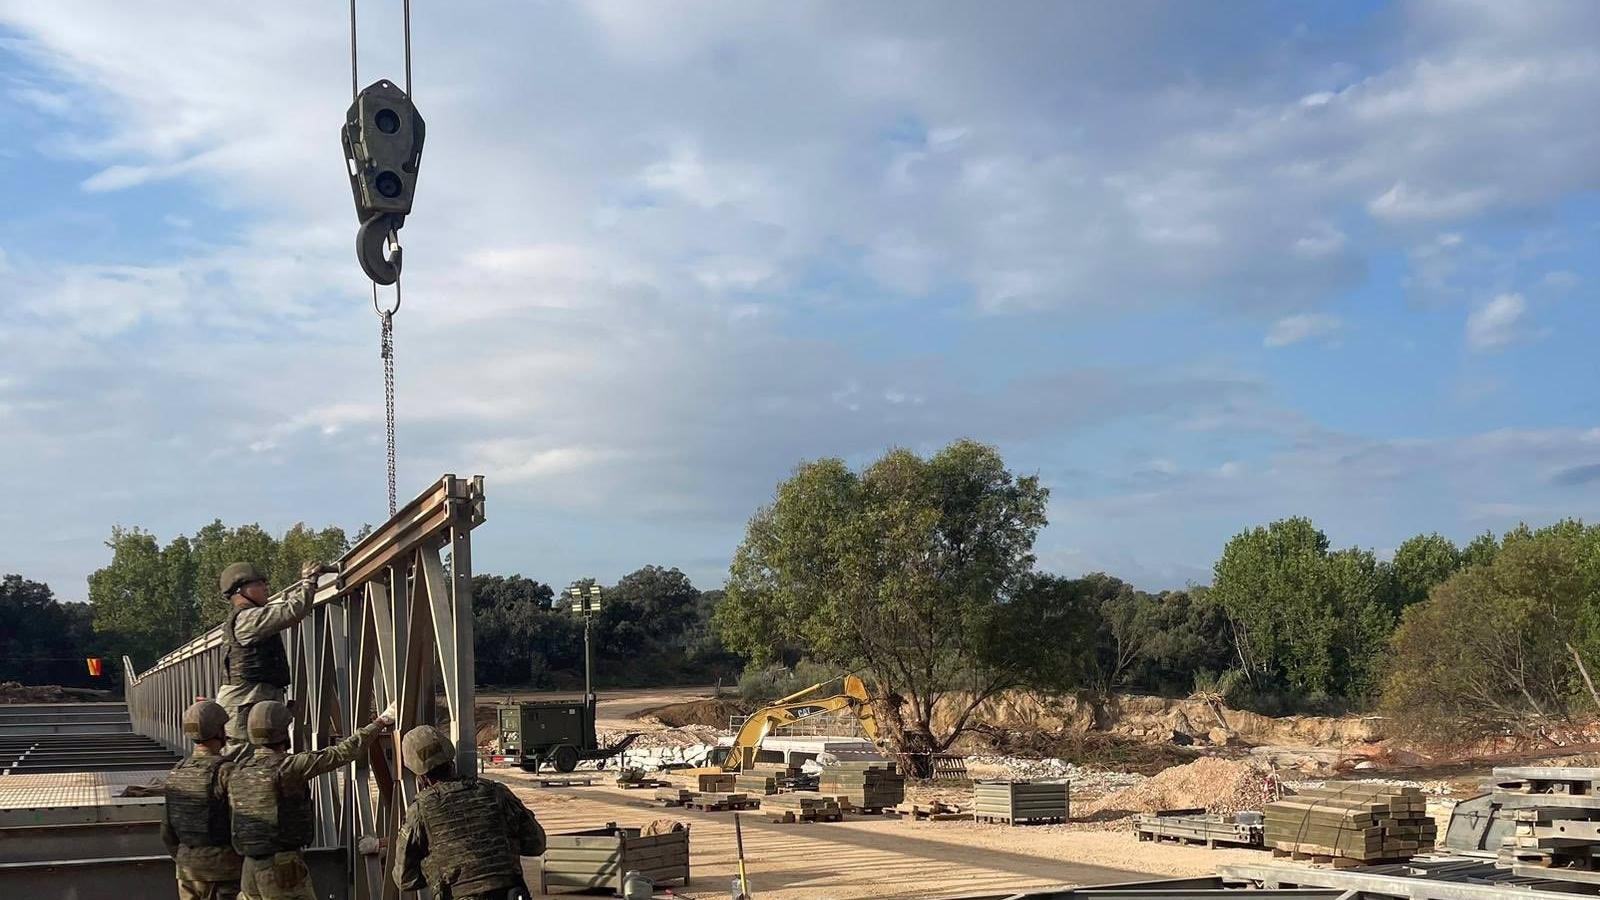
[1302,327]
[1497,323]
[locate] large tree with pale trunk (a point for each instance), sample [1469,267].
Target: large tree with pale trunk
[913,573]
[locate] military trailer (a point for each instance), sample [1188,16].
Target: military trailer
[558,732]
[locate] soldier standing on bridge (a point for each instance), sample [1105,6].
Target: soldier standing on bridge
[256,664]
[195,826]
[270,796]
[463,836]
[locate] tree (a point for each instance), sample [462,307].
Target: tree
[300,545]
[1480,656]
[215,547]
[905,573]
[1304,620]
[45,641]
[1420,563]
[138,599]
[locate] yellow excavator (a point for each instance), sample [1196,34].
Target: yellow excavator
[796,707]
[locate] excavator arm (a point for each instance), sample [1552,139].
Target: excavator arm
[799,705]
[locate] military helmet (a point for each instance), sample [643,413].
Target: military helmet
[238,575]
[204,720]
[269,723]
[425,748]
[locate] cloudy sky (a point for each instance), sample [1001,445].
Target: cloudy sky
[1198,266]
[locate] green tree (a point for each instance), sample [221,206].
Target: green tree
[1305,621]
[45,641]
[903,572]
[1420,563]
[302,544]
[139,600]
[215,547]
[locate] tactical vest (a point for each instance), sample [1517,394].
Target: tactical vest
[262,662]
[469,841]
[264,820]
[194,811]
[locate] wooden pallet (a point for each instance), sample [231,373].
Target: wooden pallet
[788,816]
[646,783]
[936,812]
[707,801]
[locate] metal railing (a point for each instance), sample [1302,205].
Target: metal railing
[395,625]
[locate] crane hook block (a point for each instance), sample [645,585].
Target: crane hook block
[382,136]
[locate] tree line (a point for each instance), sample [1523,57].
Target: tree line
[919,573]
[653,627]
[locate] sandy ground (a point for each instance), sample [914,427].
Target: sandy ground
[873,856]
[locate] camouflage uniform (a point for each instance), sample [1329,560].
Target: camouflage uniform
[256,667]
[194,825]
[270,796]
[462,836]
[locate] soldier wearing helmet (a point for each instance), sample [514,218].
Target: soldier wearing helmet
[195,825]
[270,799]
[463,836]
[256,665]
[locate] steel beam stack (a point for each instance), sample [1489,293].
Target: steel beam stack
[1556,816]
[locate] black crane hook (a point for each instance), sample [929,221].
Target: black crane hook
[378,247]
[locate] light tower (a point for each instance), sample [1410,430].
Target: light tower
[587,604]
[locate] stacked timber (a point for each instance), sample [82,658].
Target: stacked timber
[715,782]
[1019,802]
[1358,823]
[865,786]
[602,857]
[801,806]
[761,781]
[1556,821]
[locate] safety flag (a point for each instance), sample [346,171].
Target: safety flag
[94,666]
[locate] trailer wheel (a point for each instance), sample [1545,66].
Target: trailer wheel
[565,758]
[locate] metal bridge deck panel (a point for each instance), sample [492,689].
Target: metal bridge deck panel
[73,789]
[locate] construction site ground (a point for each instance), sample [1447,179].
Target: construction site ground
[873,856]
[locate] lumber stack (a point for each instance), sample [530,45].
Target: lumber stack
[1364,823]
[1556,821]
[864,786]
[1017,802]
[801,806]
[756,782]
[716,782]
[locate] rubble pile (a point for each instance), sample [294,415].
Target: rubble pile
[1083,778]
[1217,785]
[17,692]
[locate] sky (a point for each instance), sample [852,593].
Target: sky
[1197,266]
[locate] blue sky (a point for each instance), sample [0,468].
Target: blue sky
[1198,266]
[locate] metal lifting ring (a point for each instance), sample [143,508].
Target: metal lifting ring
[382,313]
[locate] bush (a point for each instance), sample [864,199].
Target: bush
[765,683]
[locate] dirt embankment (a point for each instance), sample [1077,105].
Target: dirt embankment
[17,692]
[1159,719]
[713,712]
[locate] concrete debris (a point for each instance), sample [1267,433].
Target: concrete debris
[1084,779]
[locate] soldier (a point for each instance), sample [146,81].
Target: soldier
[463,836]
[256,665]
[270,795]
[195,826]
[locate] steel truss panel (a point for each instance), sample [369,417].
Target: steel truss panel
[395,625]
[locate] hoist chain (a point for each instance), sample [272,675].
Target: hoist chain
[383,197]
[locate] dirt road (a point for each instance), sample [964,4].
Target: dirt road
[870,856]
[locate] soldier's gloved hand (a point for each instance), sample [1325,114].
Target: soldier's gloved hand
[387,717]
[310,569]
[371,845]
